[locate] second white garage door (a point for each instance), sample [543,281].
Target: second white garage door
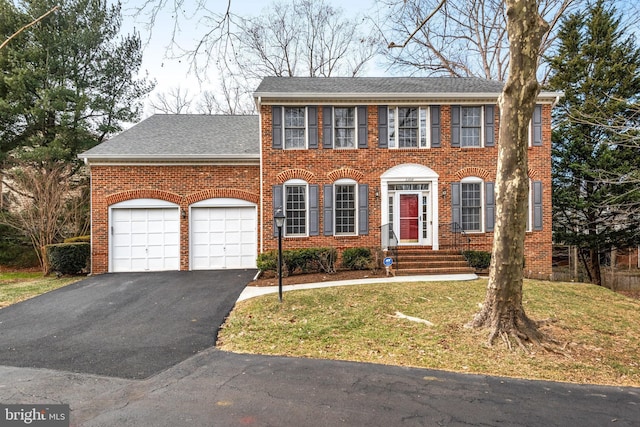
[223,236]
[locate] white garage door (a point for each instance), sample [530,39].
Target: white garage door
[145,239]
[223,237]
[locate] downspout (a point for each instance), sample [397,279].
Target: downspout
[261,198]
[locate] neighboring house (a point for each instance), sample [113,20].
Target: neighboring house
[351,161]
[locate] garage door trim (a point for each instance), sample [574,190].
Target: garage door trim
[223,202]
[143,204]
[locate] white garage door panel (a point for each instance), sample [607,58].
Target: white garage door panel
[223,237]
[145,239]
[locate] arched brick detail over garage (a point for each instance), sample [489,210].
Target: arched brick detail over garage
[345,173]
[230,193]
[143,194]
[302,174]
[473,171]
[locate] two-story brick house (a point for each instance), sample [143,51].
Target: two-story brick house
[351,161]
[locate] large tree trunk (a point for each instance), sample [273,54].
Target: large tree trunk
[502,311]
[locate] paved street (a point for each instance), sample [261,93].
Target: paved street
[215,388]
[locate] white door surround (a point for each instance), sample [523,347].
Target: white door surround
[409,199]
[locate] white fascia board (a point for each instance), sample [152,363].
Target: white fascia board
[268,98]
[271,97]
[116,160]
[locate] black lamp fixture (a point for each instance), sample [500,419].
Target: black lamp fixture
[279,219]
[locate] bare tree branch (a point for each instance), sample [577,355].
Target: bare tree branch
[32,23]
[176,101]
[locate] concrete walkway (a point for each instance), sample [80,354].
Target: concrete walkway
[255,291]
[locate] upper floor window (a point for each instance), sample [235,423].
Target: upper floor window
[294,127]
[344,127]
[473,125]
[470,126]
[407,127]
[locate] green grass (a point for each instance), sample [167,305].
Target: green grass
[599,329]
[16,287]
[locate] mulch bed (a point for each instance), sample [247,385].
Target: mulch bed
[270,279]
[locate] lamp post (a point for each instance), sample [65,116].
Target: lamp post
[279,218]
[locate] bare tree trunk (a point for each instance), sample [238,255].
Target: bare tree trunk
[502,311]
[595,271]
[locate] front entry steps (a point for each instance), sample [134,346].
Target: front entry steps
[420,260]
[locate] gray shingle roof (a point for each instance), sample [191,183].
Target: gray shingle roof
[184,136]
[377,85]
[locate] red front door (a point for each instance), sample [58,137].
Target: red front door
[409,214]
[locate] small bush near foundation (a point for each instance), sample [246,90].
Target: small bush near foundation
[297,261]
[479,260]
[69,258]
[268,261]
[357,258]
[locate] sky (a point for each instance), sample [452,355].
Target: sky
[172,73]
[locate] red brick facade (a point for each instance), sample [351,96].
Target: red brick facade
[180,184]
[367,165]
[371,167]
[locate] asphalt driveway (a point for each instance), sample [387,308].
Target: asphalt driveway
[127,325]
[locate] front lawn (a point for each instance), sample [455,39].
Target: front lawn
[599,329]
[16,287]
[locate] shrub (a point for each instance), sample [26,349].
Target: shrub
[296,261]
[357,258]
[268,261]
[68,258]
[480,260]
[16,250]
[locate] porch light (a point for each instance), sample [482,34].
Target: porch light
[279,218]
[444,193]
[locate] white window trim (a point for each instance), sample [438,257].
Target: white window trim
[284,128]
[396,145]
[355,124]
[346,181]
[292,183]
[474,180]
[482,127]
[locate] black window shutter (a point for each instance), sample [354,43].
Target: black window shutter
[537,125]
[489,206]
[489,123]
[435,126]
[277,204]
[276,127]
[314,220]
[537,205]
[363,137]
[327,127]
[383,129]
[312,126]
[455,207]
[455,126]
[363,209]
[328,210]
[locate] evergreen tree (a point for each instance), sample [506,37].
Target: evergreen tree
[67,83]
[597,65]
